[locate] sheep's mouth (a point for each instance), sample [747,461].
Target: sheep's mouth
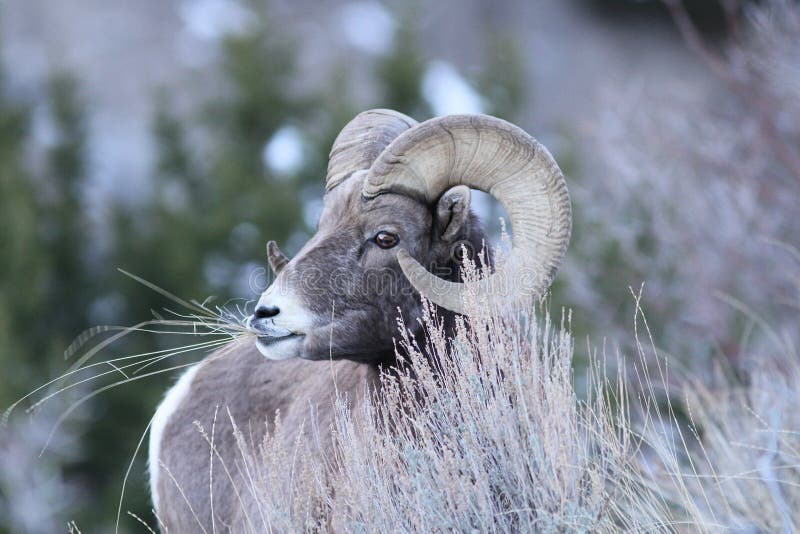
[267,340]
[269,333]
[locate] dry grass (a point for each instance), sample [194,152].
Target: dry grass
[485,431]
[490,430]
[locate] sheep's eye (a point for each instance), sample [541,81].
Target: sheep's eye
[386,239]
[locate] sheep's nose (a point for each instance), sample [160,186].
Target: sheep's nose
[265,312]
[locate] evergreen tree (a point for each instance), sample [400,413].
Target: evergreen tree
[63,218]
[22,271]
[401,71]
[210,214]
[501,81]
[44,283]
[44,289]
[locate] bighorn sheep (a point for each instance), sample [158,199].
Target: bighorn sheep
[397,200]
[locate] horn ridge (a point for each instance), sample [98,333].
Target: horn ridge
[501,159]
[361,141]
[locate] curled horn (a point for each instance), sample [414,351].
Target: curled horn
[361,141]
[498,158]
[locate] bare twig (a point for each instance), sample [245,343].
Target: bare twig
[732,10]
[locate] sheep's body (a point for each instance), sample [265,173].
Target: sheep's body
[239,384]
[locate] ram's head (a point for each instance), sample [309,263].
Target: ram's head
[395,219]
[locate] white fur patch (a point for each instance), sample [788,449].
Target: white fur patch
[293,316]
[172,400]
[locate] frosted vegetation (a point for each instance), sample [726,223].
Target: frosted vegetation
[700,198]
[485,431]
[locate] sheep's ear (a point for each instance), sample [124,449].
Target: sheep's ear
[452,210]
[277,260]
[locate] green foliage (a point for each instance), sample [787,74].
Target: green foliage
[45,284]
[502,80]
[213,211]
[43,281]
[400,72]
[209,215]
[20,303]
[63,217]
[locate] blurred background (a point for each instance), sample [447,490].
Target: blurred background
[173,138]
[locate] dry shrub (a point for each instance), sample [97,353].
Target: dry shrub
[733,461]
[692,189]
[481,431]
[289,486]
[484,431]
